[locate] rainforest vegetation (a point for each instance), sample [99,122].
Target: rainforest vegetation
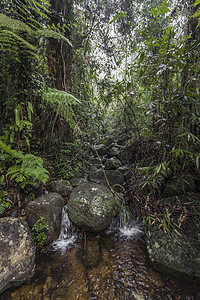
[74,74]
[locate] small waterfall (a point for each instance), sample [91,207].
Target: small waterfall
[125,226]
[128,227]
[67,237]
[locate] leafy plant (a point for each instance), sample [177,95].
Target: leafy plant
[38,232]
[68,162]
[62,103]
[26,168]
[5,202]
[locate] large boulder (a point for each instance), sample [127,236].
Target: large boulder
[178,252]
[17,254]
[50,208]
[179,185]
[174,254]
[92,206]
[62,187]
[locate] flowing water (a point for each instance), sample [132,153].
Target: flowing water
[110,266]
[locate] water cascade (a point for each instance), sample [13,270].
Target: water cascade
[128,227]
[67,236]
[111,266]
[125,226]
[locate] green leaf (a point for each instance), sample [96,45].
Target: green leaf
[197,161]
[168,30]
[17,116]
[197,2]
[29,110]
[154,12]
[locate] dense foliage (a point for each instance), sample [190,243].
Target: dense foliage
[79,73]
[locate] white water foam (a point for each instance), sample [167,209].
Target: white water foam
[67,237]
[125,226]
[128,228]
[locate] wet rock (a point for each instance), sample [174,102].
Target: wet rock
[50,208]
[173,254]
[62,187]
[181,185]
[91,207]
[112,164]
[113,176]
[17,255]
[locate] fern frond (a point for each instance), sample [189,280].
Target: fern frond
[27,168]
[4,34]
[61,102]
[52,34]
[14,25]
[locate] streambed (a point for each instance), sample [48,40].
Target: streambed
[107,266]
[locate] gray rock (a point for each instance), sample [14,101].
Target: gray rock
[178,186]
[112,152]
[125,153]
[77,181]
[112,164]
[17,255]
[62,187]
[113,176]
[124,169]
[101,149]
[92,207]
[50,208]
[95,161]
[173,254]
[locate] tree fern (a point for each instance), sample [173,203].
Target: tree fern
[14,25]
[30,11]
[9,39]
[11,28]
[61,102]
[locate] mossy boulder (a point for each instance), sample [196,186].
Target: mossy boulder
[112,164]
[92,206]
[50,208]
[101,149]
[62,187]
[179,185]
[125,153]
[77,181]
[174,254]
[113,176]
[17,254]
